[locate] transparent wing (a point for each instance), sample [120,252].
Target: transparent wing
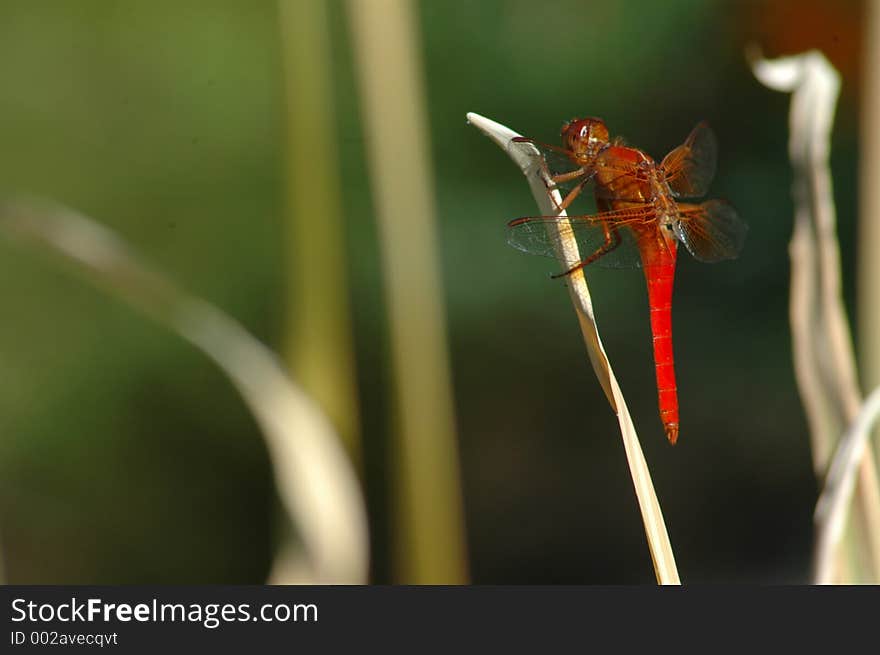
[690,167]
[558,163]
[711,231]
[606,231]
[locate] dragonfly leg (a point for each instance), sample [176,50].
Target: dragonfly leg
[574,193]
[567,177]
[612,240]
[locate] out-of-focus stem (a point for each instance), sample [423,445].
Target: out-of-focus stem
[841,363]
[430,539]
[868,285]
[318,342]
[824,360]
[832,509]
[868,281]
[803,311]
[314,477]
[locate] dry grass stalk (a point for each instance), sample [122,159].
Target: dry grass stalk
[548,201]
[429,532]
[314,477]
[868,281]
[824,362]
[318,340]
[832,510]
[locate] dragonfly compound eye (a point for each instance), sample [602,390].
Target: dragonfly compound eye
[585,135]
[598,131]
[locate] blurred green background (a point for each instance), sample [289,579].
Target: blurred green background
[126,457]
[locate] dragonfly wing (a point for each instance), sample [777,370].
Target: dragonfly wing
[536,235]
[625,255]
[606,231]
[556,162]
[690,167]
[711,231]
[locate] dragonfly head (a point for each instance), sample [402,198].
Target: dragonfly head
[586,137]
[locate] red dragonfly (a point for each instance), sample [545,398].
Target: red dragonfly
[640,220]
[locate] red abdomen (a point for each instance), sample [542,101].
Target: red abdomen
[658,259]
[658,249]
[659,280]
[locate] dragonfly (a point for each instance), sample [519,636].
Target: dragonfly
[644,210]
